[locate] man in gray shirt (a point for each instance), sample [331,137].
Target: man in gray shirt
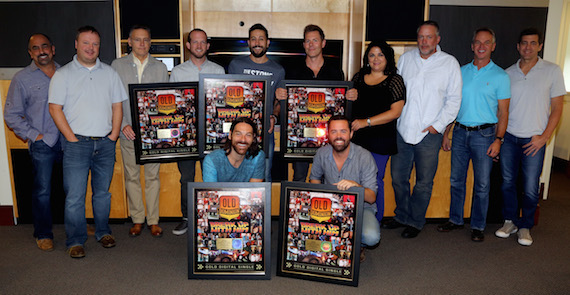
[190,71]
[139,67]
[27,113]
[346,165]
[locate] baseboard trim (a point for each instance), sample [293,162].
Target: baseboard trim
[7,215]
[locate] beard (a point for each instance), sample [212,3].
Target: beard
[342,147]
[239,150]
[257,55]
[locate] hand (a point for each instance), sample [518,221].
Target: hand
[494,149]
[359,123]
[281,93]
[446,144]
[271,124]
[128,132]
[535,144]
[40,136]
[352,94]
[113,137]
[73,139]
[431,130]
[345,184]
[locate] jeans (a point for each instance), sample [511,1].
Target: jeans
[381,161]
[370,228]
[411,208]
[97,155]
[187,170]
[513,157]
[300,170]
[269,160]
[471,145]
[43,159]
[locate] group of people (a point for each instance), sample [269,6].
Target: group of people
[77,112]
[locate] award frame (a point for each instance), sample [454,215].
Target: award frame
[303,255]
[214,127]
[304,114]
[151,111]
[253,246]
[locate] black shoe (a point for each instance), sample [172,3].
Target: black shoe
[391,224]
[410,232]
[448,226]
[477,235]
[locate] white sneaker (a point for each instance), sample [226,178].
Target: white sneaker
[508,228]
[524,237]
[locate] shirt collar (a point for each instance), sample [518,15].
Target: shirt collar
[77,64]
[485,68]
[538,65]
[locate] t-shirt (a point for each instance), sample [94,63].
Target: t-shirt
[217,168]
[373,100]
[327,72]
[243,65]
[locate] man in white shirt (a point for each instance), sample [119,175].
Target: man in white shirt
[537,89]
[433,83]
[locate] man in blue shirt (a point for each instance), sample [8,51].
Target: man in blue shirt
[478,134]
[240,160]
[27,113]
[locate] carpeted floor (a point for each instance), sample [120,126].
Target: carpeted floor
[433,263]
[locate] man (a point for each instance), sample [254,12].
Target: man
[315,67]
[537,89]
[190,71]
[27,113]
[85,98]
[257,63]
[433,97]
[346,165]
[240,160]
[478,133]
[135,68]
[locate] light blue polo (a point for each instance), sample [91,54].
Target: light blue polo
[482,90]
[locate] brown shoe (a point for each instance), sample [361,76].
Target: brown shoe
[45,244]
[155,230]
[107,241]
[136,229]
[76,251]
[90,230]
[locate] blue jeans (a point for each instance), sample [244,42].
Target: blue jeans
[471,145]
[381,161]
[43,159]
[513,157]
[187,170]
[411,208]
[97,155]
[370,228]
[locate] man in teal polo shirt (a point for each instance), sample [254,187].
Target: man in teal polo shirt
[478,134]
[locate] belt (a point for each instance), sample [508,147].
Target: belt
[475,128]
[91,137]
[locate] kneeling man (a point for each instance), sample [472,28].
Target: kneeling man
[240,160]
[345,165]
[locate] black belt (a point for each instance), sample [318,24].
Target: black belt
[92,137]
[475,128]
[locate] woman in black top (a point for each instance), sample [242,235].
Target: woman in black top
[381,97]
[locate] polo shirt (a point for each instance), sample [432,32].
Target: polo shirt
[189,72]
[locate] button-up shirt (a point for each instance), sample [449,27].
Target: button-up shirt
[189,72]
[27,108]
[433,93]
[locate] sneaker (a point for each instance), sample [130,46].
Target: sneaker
[181,228]
[107,241]
[45,244]
[76,251]
[508,228]
[524,237]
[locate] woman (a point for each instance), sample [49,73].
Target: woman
[381,97]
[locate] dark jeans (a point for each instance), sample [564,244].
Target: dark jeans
[43,159]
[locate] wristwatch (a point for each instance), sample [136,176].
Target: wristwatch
[500,138]
[368,121]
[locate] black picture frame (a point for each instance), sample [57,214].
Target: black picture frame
[246,252]
[165,120]
[305,112]
[220,111]
[320,240]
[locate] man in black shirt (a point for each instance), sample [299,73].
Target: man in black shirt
[315,67]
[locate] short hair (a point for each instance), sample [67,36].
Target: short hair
[484,29]
[340,118]
[40,34]
[253,150]
[139,27]
[388,52]
[313,28]
[429,23]
[86,29]
[532,31]
[258,27]
[197,30]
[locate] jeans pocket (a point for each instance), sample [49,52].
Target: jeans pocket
[488,132]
